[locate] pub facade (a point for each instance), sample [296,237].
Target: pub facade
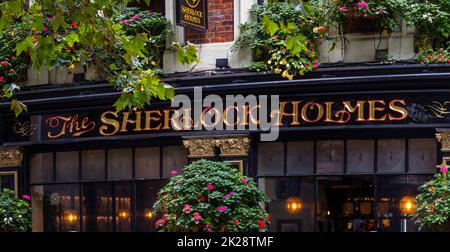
[354,139]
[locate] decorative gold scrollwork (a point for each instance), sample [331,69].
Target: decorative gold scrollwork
[438,109]
[24,129]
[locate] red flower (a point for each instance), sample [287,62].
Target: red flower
[74,24]
[275,38]
[11,70]
[201,198]
[236,222]
[261,224]
[4,63]
[222,229]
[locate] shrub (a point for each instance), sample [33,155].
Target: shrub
[15,213]
[211,196]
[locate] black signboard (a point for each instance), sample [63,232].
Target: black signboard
[418,109]
[193,14]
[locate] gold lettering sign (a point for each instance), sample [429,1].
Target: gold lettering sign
[295,113]
[193,14]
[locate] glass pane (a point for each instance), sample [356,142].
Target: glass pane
[56,208]
[422,155]
[122,193]
[41,167]
[97,208]
[7,181]
[391,189]
[119,164]
[174,158]
[147,163]
[391,156]
[271,159]
[360,156]
[345,204]
[146,195]
[292,203]
[330,157]
[67,165]
[300,158]
[93,164]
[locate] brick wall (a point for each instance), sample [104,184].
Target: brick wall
[220,24]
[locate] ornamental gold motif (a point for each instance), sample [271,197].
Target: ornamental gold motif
[443,137]
[205,147]
[10,157]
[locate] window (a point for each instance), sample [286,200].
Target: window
[292,203]
[8,180]
[300,158]
[330,157]
[115,192]
[148,163]
[271,158]
[391,156]
[360,156]
[41,167]
[119,163]
[422,155]
[93,165]
[67,166]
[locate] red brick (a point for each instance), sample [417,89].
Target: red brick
[220,24]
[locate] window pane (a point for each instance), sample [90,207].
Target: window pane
[422,155]
[330,157]
[124,215]
[345,204]
[271,159]
[391,156]
[93,164]
[97,208]
[119,164]
[174,158]
[360,156]
[56,208]
[291,208]
[391,189]
[300,158]
[146,193]
[42,167]
[147,163]
[67,165]
[7,181]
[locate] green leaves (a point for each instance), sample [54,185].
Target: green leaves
[270,26]
[15,213]
[186,54]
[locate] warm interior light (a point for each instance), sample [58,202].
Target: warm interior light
[123,214]
[70,217]
[407,205]
[293,205]
[149,215]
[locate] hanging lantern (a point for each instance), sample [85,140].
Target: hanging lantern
[293,205]
[407,205]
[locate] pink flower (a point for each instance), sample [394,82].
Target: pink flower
[135,17]
[2,79]
[197,216]
[342,8]
[443,168]
[210,187]
[222,209]
[315,66]
[187,208]
[228,195]
[160,222]
[45,29]
[149,14]
[27,197]
[244,180]
[124,22]
[381,11]
[173,172]
[362,5]
[4,63]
